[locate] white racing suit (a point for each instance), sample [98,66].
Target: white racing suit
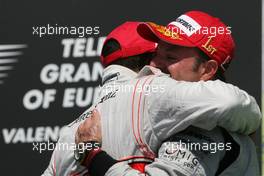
[197,152]
[136,121]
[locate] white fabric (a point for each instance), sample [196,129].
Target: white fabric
[158,115]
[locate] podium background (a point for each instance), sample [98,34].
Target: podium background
[24,57]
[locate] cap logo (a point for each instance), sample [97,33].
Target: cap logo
[209,48]
[188,25]
[166,31]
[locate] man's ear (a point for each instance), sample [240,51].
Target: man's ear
[209,70]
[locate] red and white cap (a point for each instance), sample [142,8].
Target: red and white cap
[195,29]
[131,43]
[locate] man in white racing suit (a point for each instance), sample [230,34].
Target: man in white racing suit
[194,151]
[123,133]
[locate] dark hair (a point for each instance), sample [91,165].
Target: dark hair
[135,63]
[204,58]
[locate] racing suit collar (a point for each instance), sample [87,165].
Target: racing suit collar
[117,72]
[149,70]
[120,73]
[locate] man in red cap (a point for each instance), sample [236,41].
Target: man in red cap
[195,34]
[188,51]
[122,59]
[192,55]
[160,113]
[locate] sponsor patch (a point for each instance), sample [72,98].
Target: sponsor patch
[188,25]
[185,161]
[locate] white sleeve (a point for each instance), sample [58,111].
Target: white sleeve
[159,167]
[62,161]
[179,104]
[191,152]
[50,171]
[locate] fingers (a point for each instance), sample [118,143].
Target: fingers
[90,129]
[95,114]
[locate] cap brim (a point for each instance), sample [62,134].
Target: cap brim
[153,32]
